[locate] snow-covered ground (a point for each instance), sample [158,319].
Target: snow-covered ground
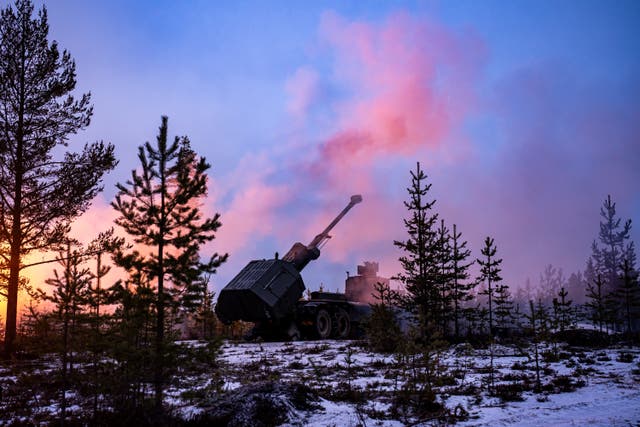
[357,387]
[610,395]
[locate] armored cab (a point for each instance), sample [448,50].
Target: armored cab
[263,290]
[268,291]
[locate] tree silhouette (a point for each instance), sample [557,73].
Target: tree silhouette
[489,273]
[159,208]
[596,302]
[460,285]
[383,331]
[629,295]
[503,306]
[70,297]
[445,258]
[608,255]
[39,194]
[421,272]
[563,308]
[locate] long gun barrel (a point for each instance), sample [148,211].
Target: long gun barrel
[268,290]
[300,255]
[317,241]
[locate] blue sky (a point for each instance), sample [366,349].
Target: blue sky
[541,100]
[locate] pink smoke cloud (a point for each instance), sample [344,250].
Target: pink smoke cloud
[411,83]
[405,87]
[98,218]
[250,214]
[301,89]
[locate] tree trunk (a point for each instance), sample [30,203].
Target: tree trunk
[14,263]
[96,343]
[65,352]
[490,305]
[16,231]
[160,317]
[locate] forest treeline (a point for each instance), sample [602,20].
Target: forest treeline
[116,340]
[444,305]
[452,304]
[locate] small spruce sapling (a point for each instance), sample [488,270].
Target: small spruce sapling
[629,295]
[564,309]
[383,331]
[503,308]
[596,301]
[534,326]
[490,274]
[460,285]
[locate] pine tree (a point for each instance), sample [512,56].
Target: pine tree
[460,285]
[70,297]
[130,344]
[563,308]
[629,295]
[195,305]
[421,272]
[104,243]
[383,331]
[607,258]
[159,208]
[445,258]
[205,316]
[596,302]
[544,320]
[490,273]
[503,307]
[612,236]
[39,194]
[534,326]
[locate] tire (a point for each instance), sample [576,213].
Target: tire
[341,324]
[323,324]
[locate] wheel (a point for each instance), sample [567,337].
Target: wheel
[323,324]
[341,324]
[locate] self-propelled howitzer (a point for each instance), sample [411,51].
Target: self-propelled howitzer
[268,293]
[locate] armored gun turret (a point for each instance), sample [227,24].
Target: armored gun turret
[268,293]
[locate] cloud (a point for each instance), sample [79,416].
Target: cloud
[394,89]
[251,215]
[571,142]
[98,218]
[559,144]
[410,84]
[528,160]
[302,90]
